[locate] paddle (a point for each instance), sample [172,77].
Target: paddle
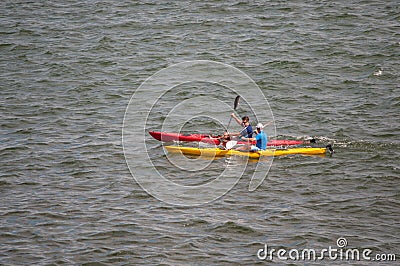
[235,105]
[230,144]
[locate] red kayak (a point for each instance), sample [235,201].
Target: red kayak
[168,137]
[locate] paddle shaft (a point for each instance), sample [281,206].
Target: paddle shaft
[229,124]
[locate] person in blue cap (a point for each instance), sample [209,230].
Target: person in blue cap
[261,140]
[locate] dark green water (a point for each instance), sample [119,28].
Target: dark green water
[329,70]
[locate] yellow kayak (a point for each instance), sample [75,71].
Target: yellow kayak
[216,152]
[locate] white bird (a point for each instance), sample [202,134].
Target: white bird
[378,73]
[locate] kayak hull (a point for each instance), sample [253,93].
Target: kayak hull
[169,137]
[216,152]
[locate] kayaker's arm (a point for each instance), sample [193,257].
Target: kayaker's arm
[267,124]
[236,118]
[248,139]
[234,134]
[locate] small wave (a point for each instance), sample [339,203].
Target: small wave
[196,222]
[234,228]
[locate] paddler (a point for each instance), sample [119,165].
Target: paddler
[224,139]
[247,130]
[261,140]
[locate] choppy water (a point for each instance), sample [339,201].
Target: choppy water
[68,69]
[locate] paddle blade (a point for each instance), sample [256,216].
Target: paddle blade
[230,144]
[330,149]
[236,103]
